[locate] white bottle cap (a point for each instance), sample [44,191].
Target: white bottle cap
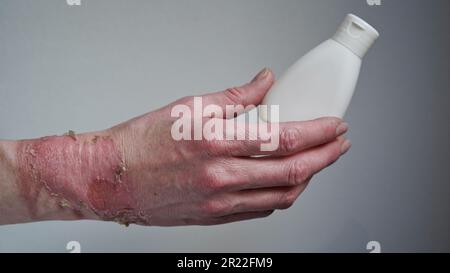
[355,34]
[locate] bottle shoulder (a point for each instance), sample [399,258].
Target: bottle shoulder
[333,51]
[329,55]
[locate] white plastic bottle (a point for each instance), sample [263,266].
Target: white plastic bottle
[322,82]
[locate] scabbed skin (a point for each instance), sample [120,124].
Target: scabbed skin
[85,176]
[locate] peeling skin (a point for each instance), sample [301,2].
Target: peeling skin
[84,176]
[71,134]
[94,139]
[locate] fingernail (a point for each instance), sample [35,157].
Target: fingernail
[261,75]
[342,128]
[345,146]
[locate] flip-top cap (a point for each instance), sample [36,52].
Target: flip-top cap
[356,34]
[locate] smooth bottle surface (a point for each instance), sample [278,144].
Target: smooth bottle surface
[322,82]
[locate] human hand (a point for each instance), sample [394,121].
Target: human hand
[136,172]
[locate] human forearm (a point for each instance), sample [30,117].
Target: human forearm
[139,172]
[12,207]
[66,177]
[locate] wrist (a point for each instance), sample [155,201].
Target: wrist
[72,177]
[12,208]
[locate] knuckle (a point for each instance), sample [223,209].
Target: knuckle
[215,208]
[298,172]
[214,181]
[290,139]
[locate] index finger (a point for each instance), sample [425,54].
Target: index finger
[293,137]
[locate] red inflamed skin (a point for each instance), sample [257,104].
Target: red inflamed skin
[83,176]
[137,172]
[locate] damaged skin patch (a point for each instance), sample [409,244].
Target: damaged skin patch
[86,178]
[94,139]
[71,134]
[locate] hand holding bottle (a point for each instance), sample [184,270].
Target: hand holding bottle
[137,173]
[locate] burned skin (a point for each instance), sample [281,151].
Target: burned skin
[82,177]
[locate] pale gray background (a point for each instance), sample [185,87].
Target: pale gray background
[90,67]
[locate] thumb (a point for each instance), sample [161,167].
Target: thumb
[251,93]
